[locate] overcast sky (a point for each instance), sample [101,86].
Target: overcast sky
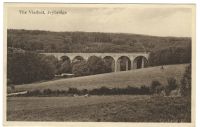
[162,21]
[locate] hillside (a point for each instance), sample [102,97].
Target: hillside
[136,78]
[46,41]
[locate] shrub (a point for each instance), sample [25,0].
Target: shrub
[73,91]
[101,91]
[144,90]
[172,85]
[84,91]
[12,87]
[47,92]
[131,90]
[121,91]
[155,87]
[34,93]
[185,87]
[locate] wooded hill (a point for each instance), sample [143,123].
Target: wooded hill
[46,41]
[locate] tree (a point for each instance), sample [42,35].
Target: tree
[96,65]
[48,65]
[109,64]
[29,67]
[67,44]
[80,68]
[170,55]
[65,67]
[185,87]
[50,59]
[92,41]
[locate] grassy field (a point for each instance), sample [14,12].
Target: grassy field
[99,108]
[136,78]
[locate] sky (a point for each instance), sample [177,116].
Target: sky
[157,21]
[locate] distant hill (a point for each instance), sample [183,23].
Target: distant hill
[46,41]
[135,78]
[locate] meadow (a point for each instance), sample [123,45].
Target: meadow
[124,108]
[110,108]
[134,78]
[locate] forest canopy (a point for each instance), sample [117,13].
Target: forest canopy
[46,41]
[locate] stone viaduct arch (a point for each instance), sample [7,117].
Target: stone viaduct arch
[77,58]
[110,62]
[120,61]
[65,58]
[123,63]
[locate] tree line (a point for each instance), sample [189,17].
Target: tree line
[170,55]
[46,41]
[27,67]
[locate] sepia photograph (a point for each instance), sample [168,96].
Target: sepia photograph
[118,63]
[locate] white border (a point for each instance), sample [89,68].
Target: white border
[114,1]
[106,1]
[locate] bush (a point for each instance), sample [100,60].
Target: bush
[172,85]
[101,91]
[48,92]
[121,91]
[12,87]
[185,87]
[84,91]
[143,90]
[73,91]
[34,93]
[155,87]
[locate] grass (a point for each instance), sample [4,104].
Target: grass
[123,108]
[135,78]
[115,108]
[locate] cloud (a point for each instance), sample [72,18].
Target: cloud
[153,21]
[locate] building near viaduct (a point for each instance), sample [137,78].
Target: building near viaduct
[131,60]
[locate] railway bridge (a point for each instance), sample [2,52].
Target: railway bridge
[130,60]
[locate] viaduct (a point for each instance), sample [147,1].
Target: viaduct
[131,60]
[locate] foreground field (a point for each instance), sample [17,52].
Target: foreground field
[134,78]
[99,108]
